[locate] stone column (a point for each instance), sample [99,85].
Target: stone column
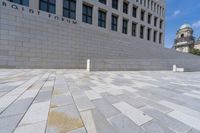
[109,16]
[59,7]
[34,4]
[95,15]
[79,6]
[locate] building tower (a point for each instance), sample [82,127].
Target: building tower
[184,41]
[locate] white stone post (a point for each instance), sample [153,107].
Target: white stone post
[88,65]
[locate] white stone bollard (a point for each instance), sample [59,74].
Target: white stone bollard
[174,68]
[88,65]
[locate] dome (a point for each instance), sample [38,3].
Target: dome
[185,26]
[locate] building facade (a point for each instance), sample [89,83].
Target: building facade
[185,41]
[142,19]
[65,33]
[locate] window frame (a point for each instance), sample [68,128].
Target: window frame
[69,9]
[48,4]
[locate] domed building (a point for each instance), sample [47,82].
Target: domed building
[185,41]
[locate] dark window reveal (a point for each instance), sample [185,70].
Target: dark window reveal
[69,9]
[87,14]
[48,6]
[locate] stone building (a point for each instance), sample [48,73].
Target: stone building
[185,41]
[114,34]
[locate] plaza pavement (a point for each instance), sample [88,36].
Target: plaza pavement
[75,101]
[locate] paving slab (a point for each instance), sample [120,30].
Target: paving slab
[75,101]
[132,113]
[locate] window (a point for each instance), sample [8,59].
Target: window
[155,36]
[154,7]
[151,5]
[87,14]
[69,9]
[145,3]
[148,4]
[48,6]
[161,24]
[141,32]
[114,22]
[142,15]
[102,19]
[134,29]
[115,4]
[155,21]
[149,18]
[135,11]
[148,34]
[125,7]
[141,1]
[160,37]
[102,1]
[125,26]
[21,2]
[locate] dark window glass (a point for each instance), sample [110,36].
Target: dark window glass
[135,11]
[142,15]
[102,19]
[161,24]
[87,14]
[21,2]
[69,9]
[134,29]
[141,32]
[48,6]
[148,34]
[148,4]
[115,4]
[114,23]
[155,36]
[149,18]
[125,26]
[155,21]
[141,1]
[160,37]
[103,1]
[145,3]
[125,7]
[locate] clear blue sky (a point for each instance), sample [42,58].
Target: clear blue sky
[179,12]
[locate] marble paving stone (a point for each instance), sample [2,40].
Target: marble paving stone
[18,107]
[38,127]
[192,95]
[95,123]
[155,105]
[132,113]
[132,101]
[194,131]
[43,96]
[80,130]
[197,92]
[36,113]
[92,95]
[171,123]
[8,124]
[110,98]
[83,103]
[61,100]
[105,108]
[187,119]
[181,108]
[123,124]
[155,127]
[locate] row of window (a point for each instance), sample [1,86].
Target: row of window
[150,4]
[69,10]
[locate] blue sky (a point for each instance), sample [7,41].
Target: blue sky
[179,12]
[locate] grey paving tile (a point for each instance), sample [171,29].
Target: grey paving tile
[105,108]
[8,124]
[43,96]
[194,131]
[96,123]
[155,127]
[169,122]
[83,103]
[18,107]
[61,100]
[123,124]
[80,130]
